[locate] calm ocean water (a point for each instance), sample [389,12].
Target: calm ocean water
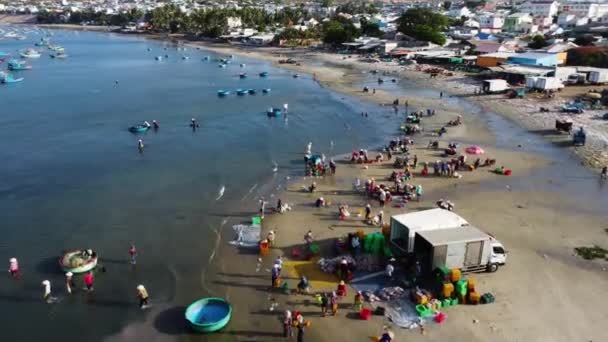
[72,177]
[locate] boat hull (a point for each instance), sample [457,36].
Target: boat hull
[64,260]
[208,314]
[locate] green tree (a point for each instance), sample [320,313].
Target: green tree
[423,24]
[336,32]
[327,3]
[537,42]
[370,29]
[447,5]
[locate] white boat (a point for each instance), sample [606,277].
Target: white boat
[30,53]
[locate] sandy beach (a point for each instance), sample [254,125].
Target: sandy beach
[540,213]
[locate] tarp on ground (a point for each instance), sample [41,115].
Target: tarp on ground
[402,313]
[246,236]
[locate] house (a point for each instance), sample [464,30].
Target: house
[540,8]
[261,39]
[471,23]
[491,23]
[566,20]
[518,22]
[458,12]
[534,59]
[234,22]
[561,50]
[485,47]
[493,59]
[582,9]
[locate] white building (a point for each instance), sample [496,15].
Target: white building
[518,22]
[234,22]
[457,12]
[540,8]
[582,9]
[491,23]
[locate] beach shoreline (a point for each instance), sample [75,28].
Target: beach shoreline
[522,219]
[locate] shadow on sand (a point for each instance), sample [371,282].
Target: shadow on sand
[172,321]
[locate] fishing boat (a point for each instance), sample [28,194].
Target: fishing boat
[208,314]
[206,58]
[185,57]
[264,74]
[159,58]
[222,93]
[222,65]
[274,112]
[56,48]
[266,90]
[58,55]
[242,65]
[4,54]
[243,75]
[296,75]
[30,53]
[42,42]
[251,91]
[77,261]
[141,128]
[241,92]
[18,65]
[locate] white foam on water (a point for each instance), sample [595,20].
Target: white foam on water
[221,193]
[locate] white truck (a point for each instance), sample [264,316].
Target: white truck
[466,248]
[549,83]
[405,226]
[598,76]
[494,86]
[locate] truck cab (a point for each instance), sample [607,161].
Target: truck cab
[498,256]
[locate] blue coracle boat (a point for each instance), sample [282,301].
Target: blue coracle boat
[208,314]
[139,128]
[266,90]
[222,93]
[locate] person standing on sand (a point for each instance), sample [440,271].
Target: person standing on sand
[142,295]
[270,237]
[140,146]
[334,303]
[300,333]
[88,281]
[279,262]
[262,208]
[418,192]
[441,94]
[324,304]
[287,324]
[13,268]
[47,291]
[308,238]
[133,254]
[275,273]
[604,174]
[415,161]
[368,212]
[69,282]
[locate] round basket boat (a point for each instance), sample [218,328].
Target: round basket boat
[208,314]
[74,261]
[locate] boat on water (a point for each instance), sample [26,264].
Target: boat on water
[242,92]
[206,58]
[77,261]
[243,75]
[18,65]
[222,65]
[185,57]
[141,128]
[208,314]
[251,91]
[264,74]
[274,112]
[296,75]
[56,48]
[4,54]
[159,58]
[59,55]
[30,53]
[266,90]
[222,93]
[242,65]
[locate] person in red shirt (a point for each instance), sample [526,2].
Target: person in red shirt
[133,254]
[88,280]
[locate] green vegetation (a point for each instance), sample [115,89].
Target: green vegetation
[584,40]
[370,29]
[537,42]
[423,24]
[296,37]
[99,18]
[591,253]
[588,56]
[338,31]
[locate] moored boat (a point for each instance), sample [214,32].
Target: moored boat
[30,53]
[141,128]
[78,261]
[241,92]
[222,93]
[266,90]
[208,314]
[264,74]
[243,75]
[251,91]
[273,112]
[18,65]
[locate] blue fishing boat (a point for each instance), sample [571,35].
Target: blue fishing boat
[159,58]
[251,91]
[241,92]
[141,128]
[206,58]
[296,75]
[222,65]
[185,57]
[222,93]
[208,314]
[243,75]
[10,79]
[30,53]
[4,54]
[242,65]
[264,74]
[17,65]
[274,112]
[266,90]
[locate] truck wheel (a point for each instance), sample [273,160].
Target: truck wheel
[492,268]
